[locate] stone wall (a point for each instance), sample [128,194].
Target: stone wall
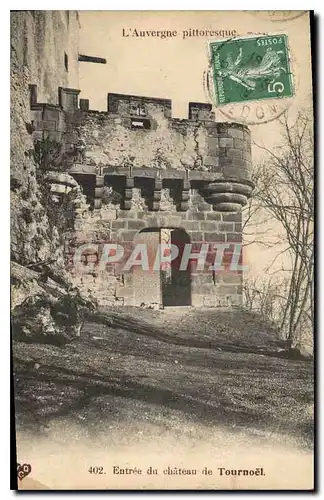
[140,169]
[113,286]
[45,46]
[138,138]
[40,40]
[123,137]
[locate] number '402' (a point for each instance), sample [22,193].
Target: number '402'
[96,470]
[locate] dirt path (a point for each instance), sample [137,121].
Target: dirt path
[136,371]
[163,389]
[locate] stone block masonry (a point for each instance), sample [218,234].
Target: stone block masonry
[148,177]
[113,286]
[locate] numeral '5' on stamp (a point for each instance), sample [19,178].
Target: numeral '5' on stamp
[250,69]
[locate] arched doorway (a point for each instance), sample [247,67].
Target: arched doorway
[166,284]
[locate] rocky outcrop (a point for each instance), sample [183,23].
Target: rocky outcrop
[45,309]
[45,306]
[33,238]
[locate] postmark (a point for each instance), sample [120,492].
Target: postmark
[248,113]
[277,15]
[254,113]
[250,79]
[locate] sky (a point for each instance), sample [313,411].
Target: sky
[174,67]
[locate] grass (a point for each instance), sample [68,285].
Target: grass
[175,369]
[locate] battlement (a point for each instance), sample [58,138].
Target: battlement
[138,134]
[124,105]
[140,107]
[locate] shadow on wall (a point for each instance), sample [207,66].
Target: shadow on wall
[176,287]
[171,286]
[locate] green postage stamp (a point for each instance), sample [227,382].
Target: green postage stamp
[251,69]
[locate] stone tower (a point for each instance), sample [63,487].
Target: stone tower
[152,179]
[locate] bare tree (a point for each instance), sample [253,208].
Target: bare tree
[285,190]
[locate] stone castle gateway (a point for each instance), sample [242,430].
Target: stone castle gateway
[149,178]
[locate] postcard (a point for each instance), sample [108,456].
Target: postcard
[162,250]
